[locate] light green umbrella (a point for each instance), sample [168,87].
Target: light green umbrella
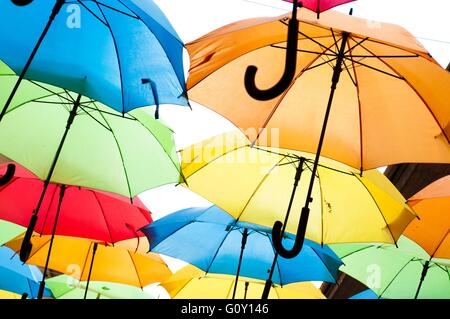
[405,272]
[9,230]
[66,287]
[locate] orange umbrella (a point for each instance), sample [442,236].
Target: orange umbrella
[392,102]
[432,231]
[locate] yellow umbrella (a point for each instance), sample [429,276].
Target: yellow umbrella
[192,283]
[254,184]
[86,260]
[9,295]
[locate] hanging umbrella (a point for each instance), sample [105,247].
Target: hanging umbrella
[17,277]
[9,231]
[192,283]
[366,294]
[66,287]
[123,154]
[82,213]
[319,6]
[396,273]
[235,248]
[124,53]
[254,185]
[379,110]
[86,260]
[8,295]
[432,231]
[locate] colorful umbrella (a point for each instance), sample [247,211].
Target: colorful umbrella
[86,260]
[319,6]
[82,213]
[17,277]
[254,185]
[366,294]
[192,283]
[9,231]
[8,295]
[236,248]
[405,272]
[124,53]
[432,231]
[66,287]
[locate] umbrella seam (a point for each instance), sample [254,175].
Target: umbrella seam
[103,214]
[135,269]
[396,275]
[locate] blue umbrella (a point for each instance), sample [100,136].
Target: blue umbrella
[212,240]
[124,53]
[18,277]
[366,294]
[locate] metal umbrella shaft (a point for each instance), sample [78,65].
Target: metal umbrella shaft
[94,250]
[26,244]
[244,242]
[303,222]
[44,273]
[55,11]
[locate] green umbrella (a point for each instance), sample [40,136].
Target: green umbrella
[405,272]
[9,230]
[66,287]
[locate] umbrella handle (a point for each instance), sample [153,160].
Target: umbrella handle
[277,235]
[289,68]
[25,248]
[8,176]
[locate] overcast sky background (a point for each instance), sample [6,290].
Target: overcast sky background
[428,20]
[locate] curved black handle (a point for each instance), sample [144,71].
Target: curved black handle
[289,68]
[277,236]
[9,175]
[26,247]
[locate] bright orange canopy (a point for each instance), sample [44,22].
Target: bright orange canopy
[392,103]
[431,232]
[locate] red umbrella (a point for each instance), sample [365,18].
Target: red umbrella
[319,6]
[83,212]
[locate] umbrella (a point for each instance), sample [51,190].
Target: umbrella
[86,260]
[8,295]
[366,294]
[319,6]
[192,283]
[405,272]
[66,287]
[254,184]
[235,248]
[83,212]
[123,154]
[379,110]
[124,53]
[432,231]
[17,277]
[9,231]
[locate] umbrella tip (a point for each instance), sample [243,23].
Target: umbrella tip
[351,11]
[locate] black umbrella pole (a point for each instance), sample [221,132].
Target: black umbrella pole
[303,222]
[244,242]
[55,11]
[26,247]
[422,277]
[94,250]
[44,273]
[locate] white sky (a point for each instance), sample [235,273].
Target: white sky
[193,18]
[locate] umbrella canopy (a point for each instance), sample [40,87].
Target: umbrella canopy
[66,287]
[383,112]
[9,295]
[192,283]
[17,277]
[73,256]
[432,231]
[366,294]
[395,273]
[124,53]
[103,150]
[319,6]
[181,235]
[9,231]
[254,184]
[83,212]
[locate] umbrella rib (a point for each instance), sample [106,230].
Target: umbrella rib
[283,95]
[378,208]
[120,11]
[48,208]
[85,261]
[117,55]
[414,89]
[360,116]
[120,154]
[375,69]
[259,186]
[324,263]
[395,277]
[125,116]
[92,12]
[96,120]
[135,269]
[218,248]
[321,209]
[103,214]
